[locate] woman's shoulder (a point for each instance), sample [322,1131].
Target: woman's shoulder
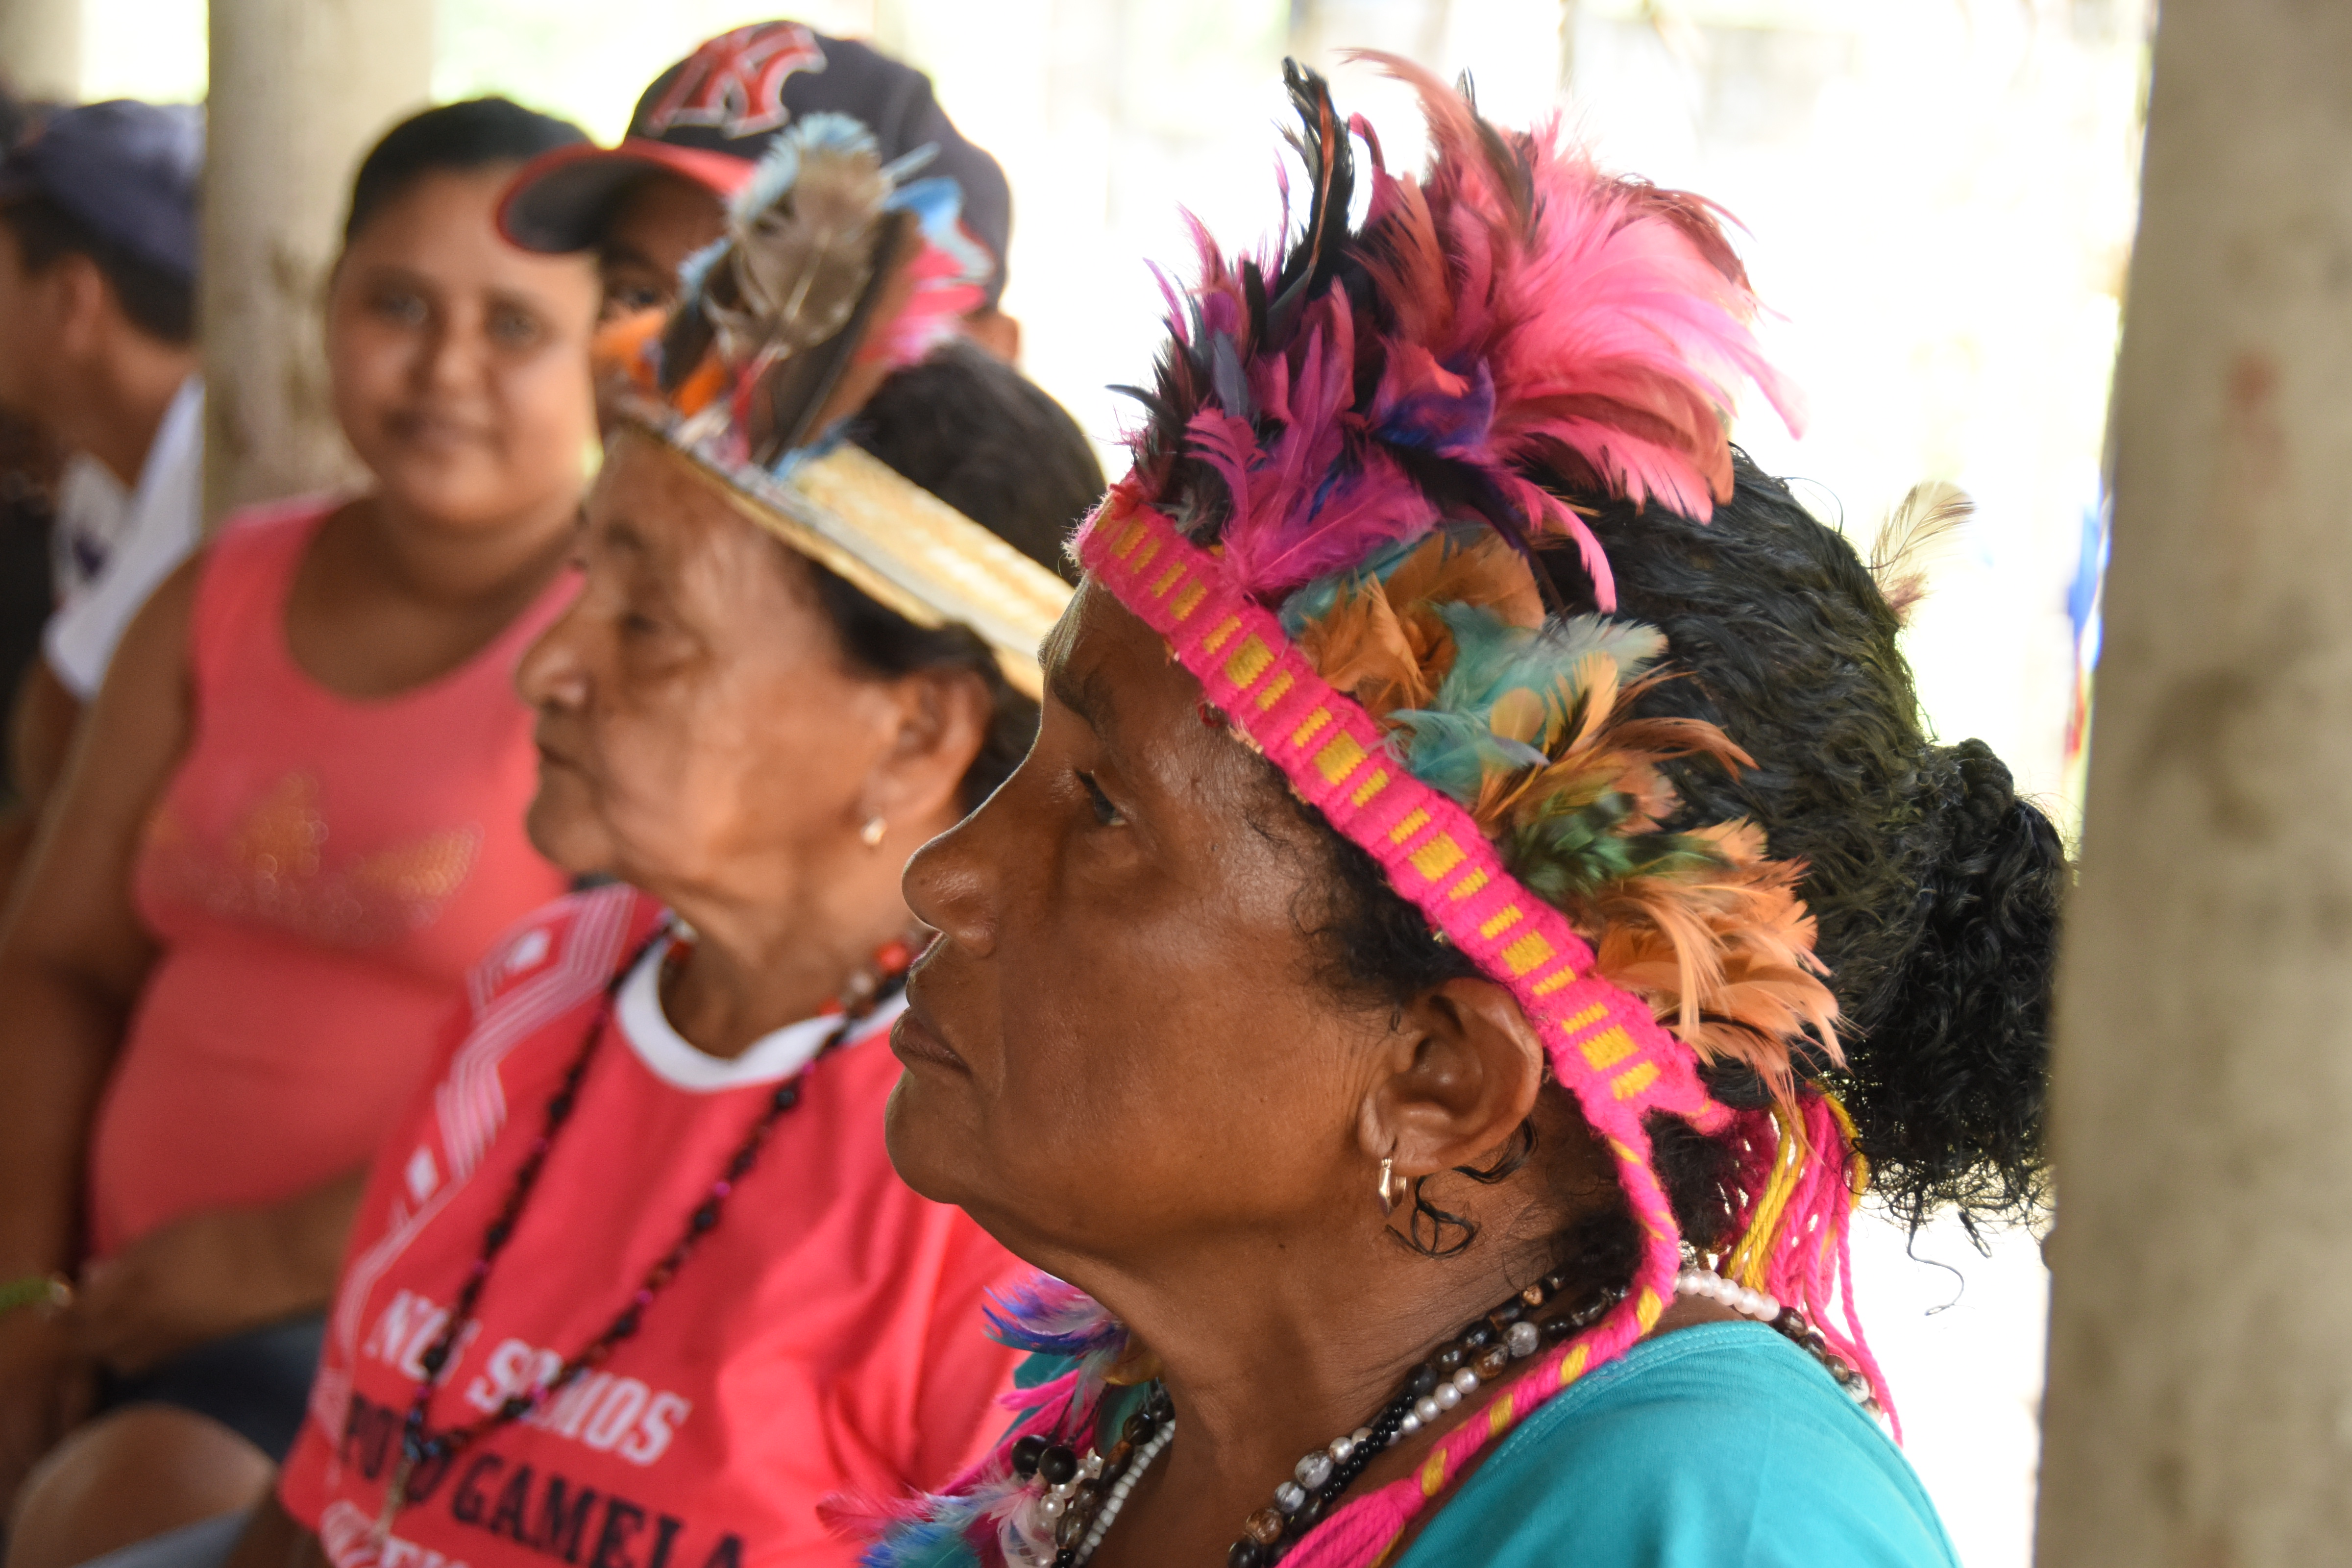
[1723,1446]
[237,577]
[269,531]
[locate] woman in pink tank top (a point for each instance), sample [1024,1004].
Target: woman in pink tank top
[294,822]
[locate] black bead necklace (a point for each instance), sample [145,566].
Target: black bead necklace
[1480,1354]
[420,1446]
[1084,1494]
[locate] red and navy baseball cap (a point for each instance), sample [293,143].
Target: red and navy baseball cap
[708,117]
[130,171]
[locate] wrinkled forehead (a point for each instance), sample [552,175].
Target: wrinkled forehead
[652,513]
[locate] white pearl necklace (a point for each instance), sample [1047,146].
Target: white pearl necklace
[1124,1485]
[1759,1305]
[1714,1287]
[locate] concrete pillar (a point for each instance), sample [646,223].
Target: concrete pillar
[2199,1409]
[301,90]
[40,48]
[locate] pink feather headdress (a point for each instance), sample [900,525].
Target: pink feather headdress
[1354,449]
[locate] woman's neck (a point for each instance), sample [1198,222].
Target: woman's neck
[1260,1377]
[1273,1346]
[1299,1344]
[459,566]
[759,962]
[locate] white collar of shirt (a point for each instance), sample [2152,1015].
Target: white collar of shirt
[670,1057]
[175,457]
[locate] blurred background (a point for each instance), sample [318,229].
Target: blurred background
[1938,200]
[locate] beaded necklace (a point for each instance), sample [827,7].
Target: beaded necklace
[1084,1493]
[419,1446]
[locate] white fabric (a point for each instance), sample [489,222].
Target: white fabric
[119,565]
[672,1058]
[92,507]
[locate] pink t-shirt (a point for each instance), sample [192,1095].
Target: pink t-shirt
[825,1338]
[318,874]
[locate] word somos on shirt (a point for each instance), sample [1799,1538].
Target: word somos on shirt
[604,1413]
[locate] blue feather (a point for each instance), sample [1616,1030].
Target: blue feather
[695,270]
[937,1541]
[937,203]
[1049,1317]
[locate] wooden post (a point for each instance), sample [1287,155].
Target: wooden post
[40,48]
[301,90]
[2199,1408]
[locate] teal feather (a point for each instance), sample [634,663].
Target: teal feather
[1569,845]
[1454,753]
[1318,599]
[1491,657]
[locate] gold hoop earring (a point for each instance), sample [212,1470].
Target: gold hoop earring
[1392,1187]
[871,834]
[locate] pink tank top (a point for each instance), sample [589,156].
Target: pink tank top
[319,873]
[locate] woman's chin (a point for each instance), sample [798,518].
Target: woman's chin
[454,490]
[921,1134]
[561,828]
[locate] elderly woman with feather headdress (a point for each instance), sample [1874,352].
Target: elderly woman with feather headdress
[634,1282]
[1480,910]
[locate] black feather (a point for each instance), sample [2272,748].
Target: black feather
[686,338]
[1323,145]
[1253,294]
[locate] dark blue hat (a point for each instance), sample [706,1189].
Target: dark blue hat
[130,171]
[710,116]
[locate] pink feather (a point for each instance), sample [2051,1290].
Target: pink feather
[1537,317]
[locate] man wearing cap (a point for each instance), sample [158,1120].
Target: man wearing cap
[649,204]
[98,266]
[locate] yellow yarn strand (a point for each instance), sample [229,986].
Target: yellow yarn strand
[1857,1179]
[1858,1172]
[1747,1259]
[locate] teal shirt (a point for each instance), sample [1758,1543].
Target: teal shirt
[1717,1447]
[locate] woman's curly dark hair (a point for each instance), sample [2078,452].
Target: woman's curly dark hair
[1936,888]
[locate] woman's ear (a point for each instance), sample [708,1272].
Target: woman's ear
[1466,1071]
[940,720]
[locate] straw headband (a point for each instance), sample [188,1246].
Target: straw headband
[835,271]
[898,544]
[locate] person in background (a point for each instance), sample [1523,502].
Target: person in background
[634,1281]
[700,129]
[97,350]
[293,825]
[30,465]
